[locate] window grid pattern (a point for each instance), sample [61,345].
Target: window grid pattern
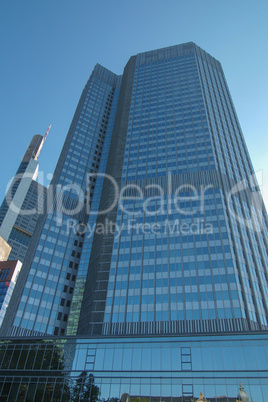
[87,245]
[248,221]
[166,277]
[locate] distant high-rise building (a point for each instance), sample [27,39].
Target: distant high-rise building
[23,202]
[155,241]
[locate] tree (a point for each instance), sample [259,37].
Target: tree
[85,389]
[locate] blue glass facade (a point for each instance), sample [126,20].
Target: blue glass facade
[97,182]
[136,369]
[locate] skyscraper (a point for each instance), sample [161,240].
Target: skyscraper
[23,203]
[156,228]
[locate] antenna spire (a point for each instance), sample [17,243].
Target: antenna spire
[42,142]
[45,136]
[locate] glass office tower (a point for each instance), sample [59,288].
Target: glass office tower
[148,275]
[189,253]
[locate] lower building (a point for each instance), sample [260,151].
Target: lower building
[9,271]
[5,249]
[135,369]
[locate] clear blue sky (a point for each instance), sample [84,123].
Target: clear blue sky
[49,48]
